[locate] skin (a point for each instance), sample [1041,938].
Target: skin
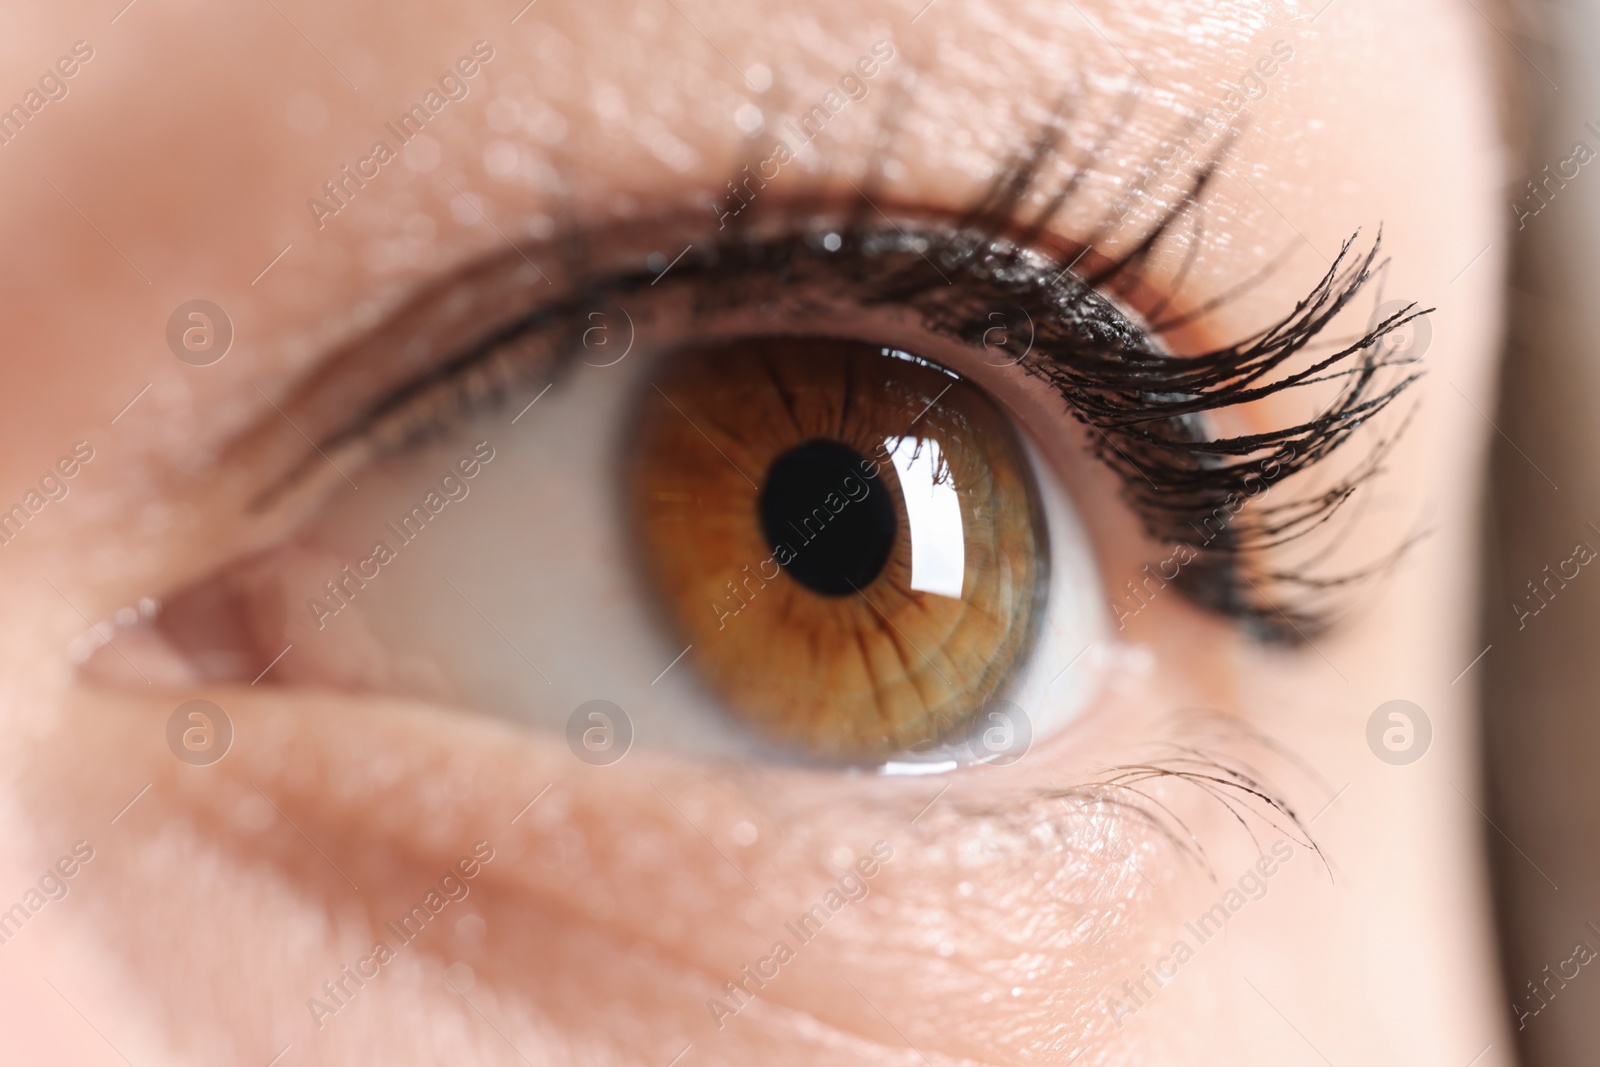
[225,896]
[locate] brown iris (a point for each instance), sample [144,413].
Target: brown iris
[849,536]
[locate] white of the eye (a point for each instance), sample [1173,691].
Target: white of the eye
[1067,663]
[938,545]
[549,610]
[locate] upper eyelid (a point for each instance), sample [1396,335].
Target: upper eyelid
[1000,211]
[470,314]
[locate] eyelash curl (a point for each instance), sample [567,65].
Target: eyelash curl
[1149,411]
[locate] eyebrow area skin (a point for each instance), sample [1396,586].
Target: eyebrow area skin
[222,898]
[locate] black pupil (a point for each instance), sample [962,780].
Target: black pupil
[813,502]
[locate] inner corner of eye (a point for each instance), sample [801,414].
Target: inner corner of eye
[857,546]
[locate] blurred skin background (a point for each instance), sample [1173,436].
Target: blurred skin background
[1539,698]
[230,326]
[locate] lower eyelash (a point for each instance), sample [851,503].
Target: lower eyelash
[1111,807]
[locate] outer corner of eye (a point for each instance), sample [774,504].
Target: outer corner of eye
[868,558]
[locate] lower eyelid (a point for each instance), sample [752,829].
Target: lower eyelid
[356,806]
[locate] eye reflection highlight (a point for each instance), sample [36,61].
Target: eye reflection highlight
[938,558]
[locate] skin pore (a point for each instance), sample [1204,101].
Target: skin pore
[1003,915]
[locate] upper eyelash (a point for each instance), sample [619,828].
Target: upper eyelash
[1145,408]
[1142,402]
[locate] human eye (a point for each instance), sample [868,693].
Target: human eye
[826,486]
[632,595]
